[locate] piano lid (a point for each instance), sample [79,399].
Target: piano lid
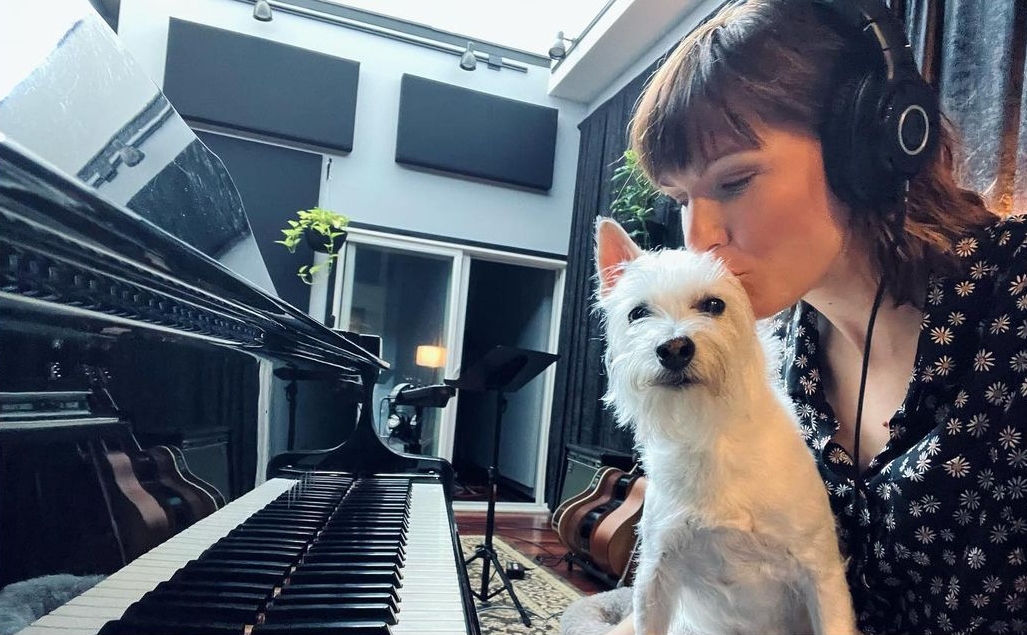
[71,93]
[114,218]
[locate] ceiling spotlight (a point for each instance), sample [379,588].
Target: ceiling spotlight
[131,155]
[468,61]
[558,50]
[262,11]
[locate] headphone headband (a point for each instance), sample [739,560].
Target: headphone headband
[882,122]
[881,31]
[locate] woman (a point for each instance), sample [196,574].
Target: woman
[930,502]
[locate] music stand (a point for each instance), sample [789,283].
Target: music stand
[503,369]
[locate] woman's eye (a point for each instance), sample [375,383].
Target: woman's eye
[736,186]
[639,312]
[713,306]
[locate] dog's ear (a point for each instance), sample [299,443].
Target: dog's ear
[614,247]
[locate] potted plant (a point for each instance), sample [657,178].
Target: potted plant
[323,230]
[634,201]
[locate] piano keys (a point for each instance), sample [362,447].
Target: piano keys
[326,553]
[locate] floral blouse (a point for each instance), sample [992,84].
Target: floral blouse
[941,541]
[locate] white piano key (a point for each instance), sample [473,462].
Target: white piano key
[108,600]
[430,600]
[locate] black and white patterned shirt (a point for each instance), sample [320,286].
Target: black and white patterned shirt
[941,541]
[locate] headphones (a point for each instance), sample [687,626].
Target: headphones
[882,121]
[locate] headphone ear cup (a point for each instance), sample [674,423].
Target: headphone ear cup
[851,142]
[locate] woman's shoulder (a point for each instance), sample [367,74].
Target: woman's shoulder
[1000,242]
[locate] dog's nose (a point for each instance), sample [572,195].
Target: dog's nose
[676,353]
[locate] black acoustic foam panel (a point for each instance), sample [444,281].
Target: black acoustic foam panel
[467,132]
[256,85]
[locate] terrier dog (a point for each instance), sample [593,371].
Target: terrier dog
[737,535]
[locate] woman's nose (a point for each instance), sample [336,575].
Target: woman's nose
[703,226]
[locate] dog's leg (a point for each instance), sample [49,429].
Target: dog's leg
[830,602]
[657,584]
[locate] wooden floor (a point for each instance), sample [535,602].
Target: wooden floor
[531,535]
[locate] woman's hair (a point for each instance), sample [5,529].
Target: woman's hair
[772,61]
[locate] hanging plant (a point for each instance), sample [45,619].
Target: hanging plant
[323,230]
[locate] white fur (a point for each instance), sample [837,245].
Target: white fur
[737,532]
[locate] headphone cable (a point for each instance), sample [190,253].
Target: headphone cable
[857,479]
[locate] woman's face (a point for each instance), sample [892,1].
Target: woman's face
[768,212]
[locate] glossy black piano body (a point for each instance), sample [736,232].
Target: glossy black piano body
[102,271]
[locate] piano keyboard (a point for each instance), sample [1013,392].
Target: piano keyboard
[355,574]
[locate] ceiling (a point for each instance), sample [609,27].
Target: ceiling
[526,25]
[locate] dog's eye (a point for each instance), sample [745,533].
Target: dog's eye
[639,312]
[713,306]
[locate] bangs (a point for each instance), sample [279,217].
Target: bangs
[692,133]
[722,79]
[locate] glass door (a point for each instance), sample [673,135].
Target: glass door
[406,297]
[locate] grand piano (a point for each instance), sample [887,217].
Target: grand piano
[123,241]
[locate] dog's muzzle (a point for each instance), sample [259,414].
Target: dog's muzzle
[675,354]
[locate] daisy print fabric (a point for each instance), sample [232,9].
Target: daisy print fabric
[937,533]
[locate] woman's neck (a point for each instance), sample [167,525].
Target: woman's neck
[845,299]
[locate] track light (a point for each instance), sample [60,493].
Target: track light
[131,156]
[558,50]
[468,61]
[262,11]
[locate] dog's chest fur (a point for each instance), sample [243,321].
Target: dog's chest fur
[737,579]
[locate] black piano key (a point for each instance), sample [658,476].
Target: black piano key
[356,532]
[170,609]
[348,556]
[260,599]
[330,612]
[259,576]
[325,628]
[350,566]
[357,543]
[298,522]
[263,532]
[148,627]
[345,577]
[250,553]
[262,543]
[294,589]
[214,561]
[299,597]
[214,587]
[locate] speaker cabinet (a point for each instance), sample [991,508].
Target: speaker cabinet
[583,461]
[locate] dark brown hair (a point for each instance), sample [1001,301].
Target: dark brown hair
[772,61]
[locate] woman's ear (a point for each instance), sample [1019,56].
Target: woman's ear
[614,249]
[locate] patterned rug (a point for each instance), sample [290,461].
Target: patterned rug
[541,593]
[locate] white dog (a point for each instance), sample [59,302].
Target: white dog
[737,534]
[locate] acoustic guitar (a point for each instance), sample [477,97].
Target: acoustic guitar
[159,474]
[612,541]
[172,461]
[569,526]
[139,521]
[577,499]
[588,523]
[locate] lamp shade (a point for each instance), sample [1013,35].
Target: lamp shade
[431,356]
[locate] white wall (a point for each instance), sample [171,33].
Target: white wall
[368,185]
[692,18]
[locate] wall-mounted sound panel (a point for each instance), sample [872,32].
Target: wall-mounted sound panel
[466,132]
[255,85]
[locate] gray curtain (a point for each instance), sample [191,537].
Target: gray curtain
[973,51]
